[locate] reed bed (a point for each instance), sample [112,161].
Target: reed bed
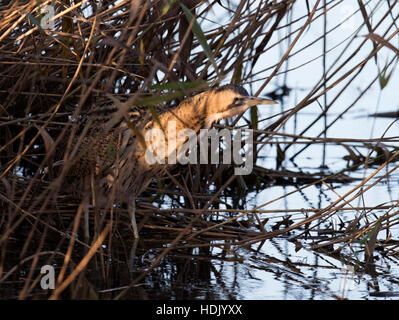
[155,52]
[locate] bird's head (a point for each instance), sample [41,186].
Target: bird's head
[227,101]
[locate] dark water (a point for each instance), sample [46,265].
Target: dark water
[286,266]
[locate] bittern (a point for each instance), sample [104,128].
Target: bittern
[116,158]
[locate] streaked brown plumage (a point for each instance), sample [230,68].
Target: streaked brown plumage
[117,157]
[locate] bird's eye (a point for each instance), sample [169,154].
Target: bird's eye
[235,99]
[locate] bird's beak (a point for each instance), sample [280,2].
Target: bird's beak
[254,101]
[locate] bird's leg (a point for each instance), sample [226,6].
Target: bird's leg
[132,214]
[86,207]
[133,255]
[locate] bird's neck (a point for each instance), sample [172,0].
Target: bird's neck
[175,126]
